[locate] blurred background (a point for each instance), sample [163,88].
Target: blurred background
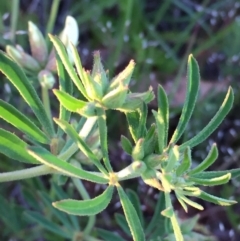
[159,36]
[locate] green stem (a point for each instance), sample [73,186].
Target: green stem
[46,102]
[14,19]
[26,173]
[53,15]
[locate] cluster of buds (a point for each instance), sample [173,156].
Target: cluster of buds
[41,62]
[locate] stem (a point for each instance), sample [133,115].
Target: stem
[14,19]
[53,15]
[26,173]
[83,192]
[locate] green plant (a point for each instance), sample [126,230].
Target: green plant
[161,164]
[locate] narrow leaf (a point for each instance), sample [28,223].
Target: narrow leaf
[163,111]
[150,140]
[60,48]
[217,200]
[122,222]
[208,161]
[109,236]
[190,202]
[214,123]
[102,125]
[13,147]
[142,121]
[186,162]
[50,160]
[17,77]
[86,207]
[126,145]
[191,98]
[173,158]
[211,182]
[65,84]
[214,174]
[68,101]
[20,121]
[81,144]
[131,216]
[183,204]
[133,123]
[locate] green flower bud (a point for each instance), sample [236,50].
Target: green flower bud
[155,160]
[130,104]
[115,98]
[147,96]
[98,70]
[138,150]
[22,58]
[46,79]
[124,77]
[37,43]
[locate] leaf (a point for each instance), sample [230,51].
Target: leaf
[133,123]
[17,77]
[65,84]
[217,200]
[172,159]
[126,145]
[131,216]
[190,202]
[208,161]
[214,123]
[211,182]
[186,162]
[45,157]
[121,221]
[81,144]
[47,224]
[20,121]
[142,121]
[213,174]
[86,207]
[109,236]
[163,112]
[150,140]
[191,98]
[70,103]
[138,150]
[102,126]
[183,204]
[60,48]
[133,197]
[13,147]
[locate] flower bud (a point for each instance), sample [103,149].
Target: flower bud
[22,58]
[138,150]
[155,160]
[37,43]
[46,79]
[89,110]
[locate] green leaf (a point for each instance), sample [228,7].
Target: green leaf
[208,161]
[86,207]
[131,216]
[150,140]
[191,98]
[172,159]
[126,145]
[69,102]
[142,121]
[20,121]
[17,77]
[211,182]
[136,203]
[13,147]
[47,224]
[163,112]
[81,144]
[217,200]
[45,157]
[133,123]
[214,123]
[102,126]
[190,202]
[121,221]
[186,162]
[157,219]
[183,204]
[65,60]
[214,174]
[109,236]
[65,84]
